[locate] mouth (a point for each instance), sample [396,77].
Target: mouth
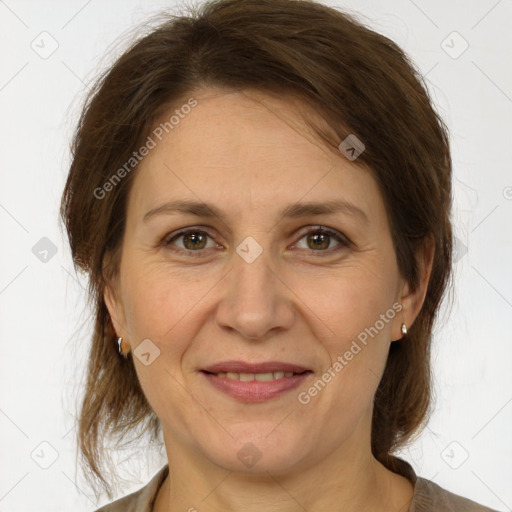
[260,377]
[260,382]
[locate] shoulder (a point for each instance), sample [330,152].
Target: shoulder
[141,500]
[430,497]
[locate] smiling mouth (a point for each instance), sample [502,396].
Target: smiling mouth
[260,377]
[255,387]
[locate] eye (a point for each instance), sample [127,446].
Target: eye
[319,240]
[194,240]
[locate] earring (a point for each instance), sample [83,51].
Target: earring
[120,349]
[404,329]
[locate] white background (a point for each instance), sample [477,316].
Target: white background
[44,326]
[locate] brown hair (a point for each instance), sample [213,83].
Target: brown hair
[359,81]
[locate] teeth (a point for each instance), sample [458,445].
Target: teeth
[263,377]
[247,377]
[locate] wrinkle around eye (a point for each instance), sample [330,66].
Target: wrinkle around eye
[168,241]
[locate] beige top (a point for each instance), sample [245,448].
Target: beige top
[427,497]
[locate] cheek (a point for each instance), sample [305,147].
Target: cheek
[166,306]
[351,301]
[355,353]
[160,307]
[159,301]
[357,308]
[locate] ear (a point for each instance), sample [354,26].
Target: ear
[112,300]
[412,300]
[115,309]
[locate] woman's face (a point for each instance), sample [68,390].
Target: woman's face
[256,282]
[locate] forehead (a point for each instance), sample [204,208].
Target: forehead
[246,149]
[235,127]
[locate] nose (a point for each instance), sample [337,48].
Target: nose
[255,302]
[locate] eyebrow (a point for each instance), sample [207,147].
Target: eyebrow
[292,211]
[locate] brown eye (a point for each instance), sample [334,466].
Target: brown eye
[192,240]
[319,240]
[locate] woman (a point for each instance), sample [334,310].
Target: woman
[260,194]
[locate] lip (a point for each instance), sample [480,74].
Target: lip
[256,391]
[264,367]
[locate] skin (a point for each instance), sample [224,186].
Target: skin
[251,155]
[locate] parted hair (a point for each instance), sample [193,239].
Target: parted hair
[359,82]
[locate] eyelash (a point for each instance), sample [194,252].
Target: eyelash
[344,242]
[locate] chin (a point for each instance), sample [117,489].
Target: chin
[258,452]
